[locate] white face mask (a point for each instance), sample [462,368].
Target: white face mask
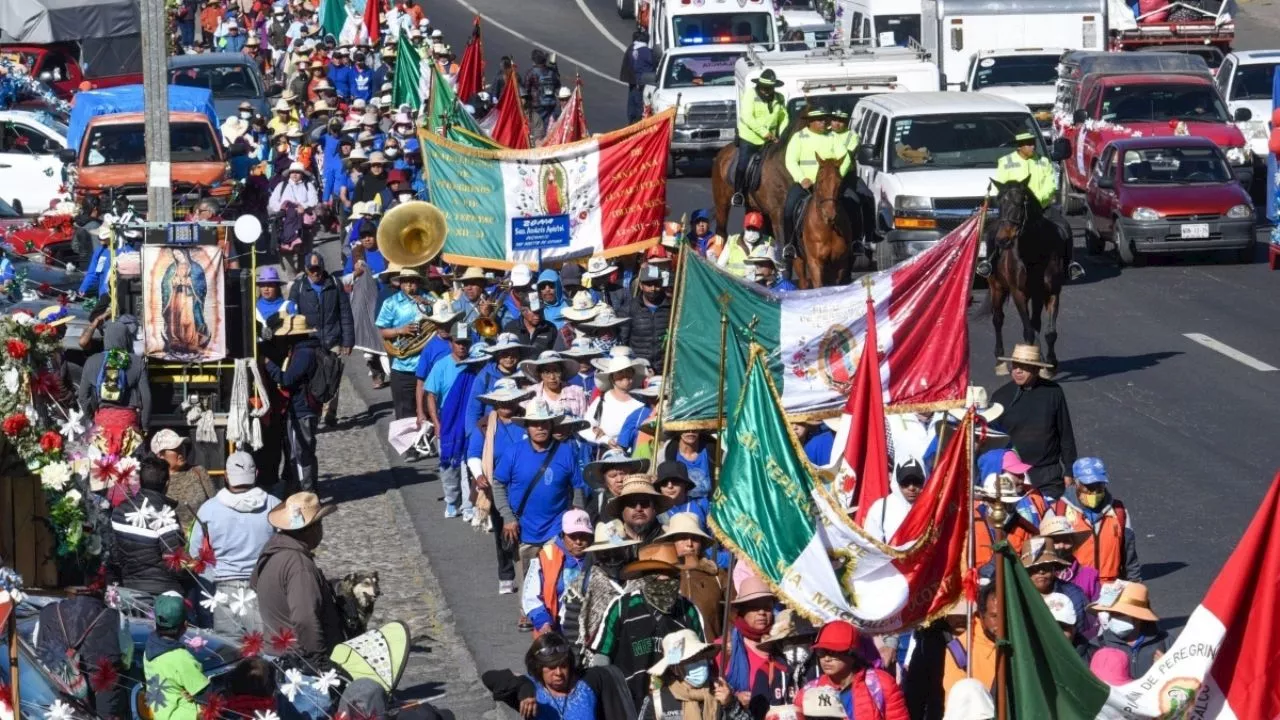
[698,673]
[246,114]
[405,197]
[1120,626]
[796,655]
[751,236]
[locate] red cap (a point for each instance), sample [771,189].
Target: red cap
[754,220]
[837,636]
[397,176]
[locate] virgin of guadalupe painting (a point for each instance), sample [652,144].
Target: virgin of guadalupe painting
[183,294]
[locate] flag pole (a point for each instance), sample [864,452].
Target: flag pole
[677,292]
[998,514]
[724,346]
[972,550]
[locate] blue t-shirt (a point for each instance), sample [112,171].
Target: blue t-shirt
[698,506]
[443,374]
[505,437]
[818,447]
[579,704]
[550,494]
[699,472]
[399,310]
[436,348]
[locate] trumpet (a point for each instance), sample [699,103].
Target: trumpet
[486,327]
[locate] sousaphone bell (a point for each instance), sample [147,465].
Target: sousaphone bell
[412,234]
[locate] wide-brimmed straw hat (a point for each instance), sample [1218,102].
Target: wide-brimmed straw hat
[532,368]
[538,411]
[443,313]
[611,535]
[605,318]
[293,325]
[1024,354]
[752,588]
[473,273]
[1133,601]
[682,525]
[593,473]
[507,341]
[411,273]
[654,557]
[597,267]
[1039,551]
[1060,528]
[620,358]
[505,390]
[651,389]
[634,486]
[583,348]
[681,646]
[788,625]
[976,395]
[296,167]
[584,307]
[572,424]
[298,511]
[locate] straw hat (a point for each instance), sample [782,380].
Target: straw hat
[681,525]
[282,106]
[294,325]
[752,588]
[653,558]
[473,274]
[787,626]
[572,424]
[54,315]
[679,647]
[593,473]
[633,486]
[611,535]
[1133,601]
[296,167]
[505,390]
[598,267]
[651,389]
[584,307]
[605,318]
[532,368]
[298,511]
[234,128]
[443,313]
[507,341]
[377,158]
[1040,552]
[320,107]
[538,411]
[620,358]
[976,396]
[410,273]
[583,348]
[1060,528]
[1025,355]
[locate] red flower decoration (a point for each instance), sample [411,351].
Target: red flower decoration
[104,676]
[16,348]
[213,706]
[15,424]
[99,581]
[283,640]
[205,555]
[63,300]
[50,441]
[177,559]
[46,383]
[251,644]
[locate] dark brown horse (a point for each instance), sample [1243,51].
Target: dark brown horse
[1029,267]
[826,231]
[767,198]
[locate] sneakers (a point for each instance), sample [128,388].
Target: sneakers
[506,587]
[1075,271]
[983,269]
[737,200]
[468,514]
[450,510]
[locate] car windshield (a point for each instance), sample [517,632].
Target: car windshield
[971,140]
[1016,70]
[226,81]
[50,122]
[743,27]
[901,27]
[124,145]
[1159,103]
[797,105]
[1175,166]
[698,70]
[1252,82]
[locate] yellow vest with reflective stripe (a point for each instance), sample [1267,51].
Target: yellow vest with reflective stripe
[1044,179]
[803,150]
[758,119]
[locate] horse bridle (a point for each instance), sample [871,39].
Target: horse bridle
[1018,227]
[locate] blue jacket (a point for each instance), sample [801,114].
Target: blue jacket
[238,530]
[483,385]
[296,376]
[361,84]
[342,79]
[553,312]
[332,158]
[98,273]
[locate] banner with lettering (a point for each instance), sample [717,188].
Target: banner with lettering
[605,195]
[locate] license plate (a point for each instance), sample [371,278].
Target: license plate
[1199,231]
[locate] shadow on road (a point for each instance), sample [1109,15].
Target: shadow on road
[1151,571]
[1098,366]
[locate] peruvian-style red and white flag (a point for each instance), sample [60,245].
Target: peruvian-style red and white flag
[511,128]
[866,451]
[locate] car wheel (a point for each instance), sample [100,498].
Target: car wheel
[1071,204]
[884,255]
[624,9]
[1128,256]
[1093,242]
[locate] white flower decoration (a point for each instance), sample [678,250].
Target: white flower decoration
[326,682]
[140,517]
[55,476]
[267,715]
[73,427]
[293,683]
[162,519]
[211,602]
[12,380]
[241,600]
[25,319]
[73,495]
[59,711]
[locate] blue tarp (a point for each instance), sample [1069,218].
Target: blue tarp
[129,98]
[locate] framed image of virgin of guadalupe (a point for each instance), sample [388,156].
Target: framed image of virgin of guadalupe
[183,301]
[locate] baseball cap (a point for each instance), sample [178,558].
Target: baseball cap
[1061,608]
[1011,463]
[241,470]
[910,473]
[170,610]
[521,275]
[1089,471]
[166,439]
[576,521]
[822,701]
[837,636]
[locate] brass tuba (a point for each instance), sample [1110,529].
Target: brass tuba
[412,234]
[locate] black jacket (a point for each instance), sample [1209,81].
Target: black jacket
[649,330]
[544,337]
[329,313]
[1039,425]
[295,377]
[139,543]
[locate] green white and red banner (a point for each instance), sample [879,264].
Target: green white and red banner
[609,191]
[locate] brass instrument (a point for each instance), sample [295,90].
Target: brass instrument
[486,327]
[412,234]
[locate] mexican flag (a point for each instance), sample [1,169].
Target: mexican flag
[814,338]
[1222,666]
[447,117]
[333,16]
[602,196]
[787,526]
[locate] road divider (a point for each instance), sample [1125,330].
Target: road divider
[1234,354]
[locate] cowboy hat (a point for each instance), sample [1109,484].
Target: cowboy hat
[632,486]
[681,646]
[507,341]
[283,106]
[768,78]
[598,267]
[411,273]
[1040,552]
[650,389]
[443,313]
[584,307]
[377,158]
[680,525]
[976,395]
[583,348]
[233,128]
[620,358]
[293,132]
[1024,354]
[1133,601]
[752,588]
[532,368]
[473,273]
[505,390]
[320,107]
[572,424]
[653,558]
[476,355]
[788,625]
[1060,528]
[298,511]
[611,536]
[294,325]
[593,473]
[538,411]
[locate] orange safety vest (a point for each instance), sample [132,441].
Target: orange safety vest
[551,559]
[984,536]
[1103,546]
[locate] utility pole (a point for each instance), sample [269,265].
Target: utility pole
[155,93]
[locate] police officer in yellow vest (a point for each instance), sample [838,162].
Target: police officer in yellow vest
[841,136]
[803,150]
[845,140]
[762,116]
[1025,164]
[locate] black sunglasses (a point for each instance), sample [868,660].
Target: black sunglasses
[637,502]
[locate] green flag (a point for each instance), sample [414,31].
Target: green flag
[333,16]
[1047,678]
[447,117]
[405,84]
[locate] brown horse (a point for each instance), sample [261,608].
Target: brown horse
[826,230]
[767,198]
[1029,267]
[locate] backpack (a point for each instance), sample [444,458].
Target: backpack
[548,84]
[323,385]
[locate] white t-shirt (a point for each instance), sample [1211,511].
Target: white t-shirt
[614,414]
[886,515]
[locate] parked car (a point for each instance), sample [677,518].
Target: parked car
[1244,80]
[66,66]
[30,171]
[1167,195]
[231,77]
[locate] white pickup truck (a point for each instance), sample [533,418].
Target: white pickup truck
[698,81]
[1028,75]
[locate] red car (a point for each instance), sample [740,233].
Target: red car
[1167,195]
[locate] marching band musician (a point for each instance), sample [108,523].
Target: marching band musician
[472,302]
[402,316]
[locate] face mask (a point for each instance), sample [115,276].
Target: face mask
[660,592]
[1091,500]
[246,114]
[391,152]
[1120,627]
[405,197]
[751,236]
[606,344]
[796,655]
[294,144]
[698,674]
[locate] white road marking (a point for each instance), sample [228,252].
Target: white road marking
[519,35]
[1234,354]
[600,26]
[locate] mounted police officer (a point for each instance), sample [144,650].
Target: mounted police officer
[1025,163]
[809,143]
[762,116]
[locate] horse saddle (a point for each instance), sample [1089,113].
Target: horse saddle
[751,177]
[793,215]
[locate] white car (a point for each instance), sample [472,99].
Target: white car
[699,82]
[1244,80]
[1028,75]
[30,171]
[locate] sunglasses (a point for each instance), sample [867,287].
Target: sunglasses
[551,652]
[1038,569]
[639,502]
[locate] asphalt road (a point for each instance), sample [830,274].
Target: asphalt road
[1187,431]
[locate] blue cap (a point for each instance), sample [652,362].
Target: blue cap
[1089,471]
[988,463]
[412,145]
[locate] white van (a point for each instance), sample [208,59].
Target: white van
[1245,79]
[680,23]
[697,80]
[804,20]
[881,23]
[926,161]
[1028,75]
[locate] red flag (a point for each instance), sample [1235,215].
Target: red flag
[571,126]
[371,20]
[867,451]
[512,129]
[471,69]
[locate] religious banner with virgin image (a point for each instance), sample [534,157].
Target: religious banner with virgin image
[183,303]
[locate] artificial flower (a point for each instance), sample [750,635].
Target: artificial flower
[104,675]
[197,642]
[242,600]
[17,349]
[283,640]
[176,559]
[73,496]
[327,681]
[50,441]
[251,644]
[205,556]
[163,519]
[71,427]
[46,383]
[59,711]
[55,476]
[12,380]
[214,704]
[293,683]
[24,318]
[15,424]
[211,602]
[265,715]
[140,517]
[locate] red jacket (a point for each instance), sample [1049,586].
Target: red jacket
[874,698]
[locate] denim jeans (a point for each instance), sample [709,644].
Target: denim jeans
[454,494]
